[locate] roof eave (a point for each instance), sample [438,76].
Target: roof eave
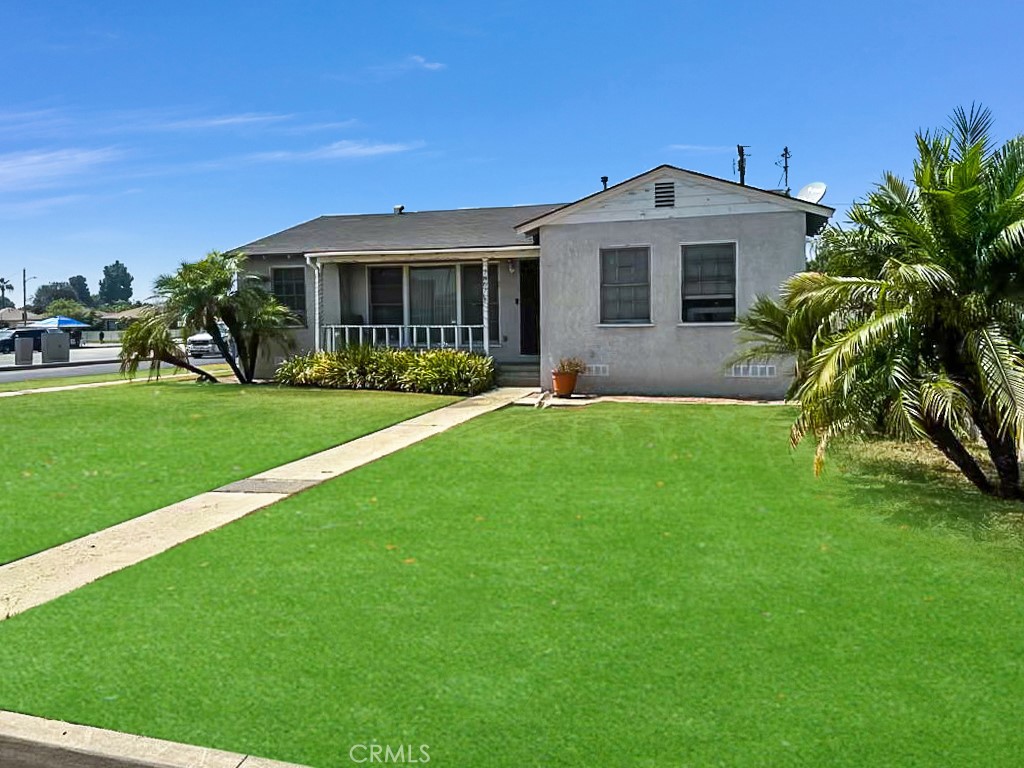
[532,225]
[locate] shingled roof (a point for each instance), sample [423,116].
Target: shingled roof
[415,231]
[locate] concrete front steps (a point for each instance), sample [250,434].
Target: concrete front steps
[518,374]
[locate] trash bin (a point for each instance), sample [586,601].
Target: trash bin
[56,347]
[23,350]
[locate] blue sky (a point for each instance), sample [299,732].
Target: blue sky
[152,132]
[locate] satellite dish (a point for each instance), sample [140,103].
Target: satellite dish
[813,192]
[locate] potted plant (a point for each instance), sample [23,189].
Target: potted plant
[563,378]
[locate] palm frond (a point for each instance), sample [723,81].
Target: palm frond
[971,129]
[1000,365]
[850,346]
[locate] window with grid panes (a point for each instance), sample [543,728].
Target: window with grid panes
[709,283]
[625,285]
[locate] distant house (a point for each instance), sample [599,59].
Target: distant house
[643,280]
[11,316]
[116,321]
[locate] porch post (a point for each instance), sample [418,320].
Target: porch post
[486,289]
[317,299]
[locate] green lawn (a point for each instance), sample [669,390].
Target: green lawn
[635,585]
[80,461]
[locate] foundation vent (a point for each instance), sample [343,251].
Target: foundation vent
[754,371]
[596,370]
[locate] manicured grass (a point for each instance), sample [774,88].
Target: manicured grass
[82,460]
[616,585]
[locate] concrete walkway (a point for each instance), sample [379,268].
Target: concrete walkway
[33,742]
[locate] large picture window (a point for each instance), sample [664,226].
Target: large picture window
[625,285]
[288,284]
[432,299]
[436,294]
[709,283]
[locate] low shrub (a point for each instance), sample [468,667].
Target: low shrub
[440,371]
[449,372]
[297,371]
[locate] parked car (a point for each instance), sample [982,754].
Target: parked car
[203,345]
[8,336]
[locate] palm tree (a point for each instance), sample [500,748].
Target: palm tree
[216,288]
[5,286]
[931,345]
[148,339]
[770,329]
[198,294]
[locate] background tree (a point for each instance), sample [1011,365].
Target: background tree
[71,308]
[81,287]
[47,293]
[5,286]
[929,346]
[116,284]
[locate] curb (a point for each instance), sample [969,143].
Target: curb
[73,364]
[34,742]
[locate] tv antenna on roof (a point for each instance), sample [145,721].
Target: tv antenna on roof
[813,192]
[784,164]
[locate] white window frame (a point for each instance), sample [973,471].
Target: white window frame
[650,283]
[736,286]
[305,293]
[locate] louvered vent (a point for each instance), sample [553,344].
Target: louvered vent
[664,194]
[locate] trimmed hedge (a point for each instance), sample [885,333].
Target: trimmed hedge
[439,371]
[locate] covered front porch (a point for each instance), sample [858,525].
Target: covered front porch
[485,302]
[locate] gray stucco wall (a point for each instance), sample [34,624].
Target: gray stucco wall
[667,357]
[271,355]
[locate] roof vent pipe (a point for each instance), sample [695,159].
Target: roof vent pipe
[604,180]
[399,209]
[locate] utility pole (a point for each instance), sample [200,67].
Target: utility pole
[24,296]
[741,162]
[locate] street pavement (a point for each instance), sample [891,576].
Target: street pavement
[85,361]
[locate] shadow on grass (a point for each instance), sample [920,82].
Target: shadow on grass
[912,484]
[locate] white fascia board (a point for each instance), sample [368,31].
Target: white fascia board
[420,254]
[679,174]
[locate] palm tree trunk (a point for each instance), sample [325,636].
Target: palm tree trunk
[1002,449]
[254,348]
[949,444]
[177,362]
[218,339]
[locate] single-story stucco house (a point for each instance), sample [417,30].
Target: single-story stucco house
[643,280]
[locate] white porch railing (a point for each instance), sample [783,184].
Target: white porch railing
[468,337]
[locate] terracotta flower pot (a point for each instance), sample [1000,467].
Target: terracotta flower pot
[563,384]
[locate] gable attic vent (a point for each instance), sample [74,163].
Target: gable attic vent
[664,194]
